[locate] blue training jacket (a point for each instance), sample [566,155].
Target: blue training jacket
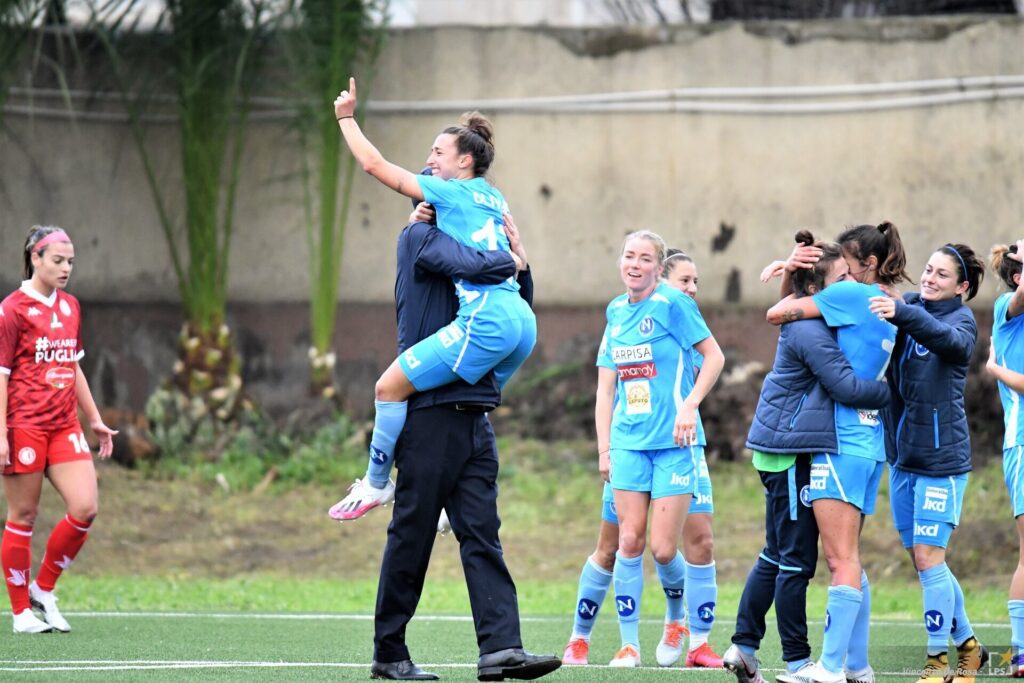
[796,410]
[425,299]
[926,424]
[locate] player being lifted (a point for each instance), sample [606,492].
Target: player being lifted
[41,387]
[495,329]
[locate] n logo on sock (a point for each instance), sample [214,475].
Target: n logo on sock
[933,620]
[673,593]
[378,456]
[706,612]
[625,605]
[587,609]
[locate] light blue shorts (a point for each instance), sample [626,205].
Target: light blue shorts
[479,340]
[1014,478]
[848,478]
[702,501]
[925,510]
[663,472]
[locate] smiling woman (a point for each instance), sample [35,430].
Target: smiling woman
[928,442]
[41,388]
[650,440]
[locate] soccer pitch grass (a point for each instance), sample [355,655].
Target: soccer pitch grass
[255,645]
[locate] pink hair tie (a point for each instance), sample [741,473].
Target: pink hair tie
[50,238]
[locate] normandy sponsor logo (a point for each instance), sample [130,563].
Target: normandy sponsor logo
[637,371]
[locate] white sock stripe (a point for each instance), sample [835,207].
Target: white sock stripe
[19,532]
[84,530]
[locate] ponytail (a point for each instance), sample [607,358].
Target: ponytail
[1004,266]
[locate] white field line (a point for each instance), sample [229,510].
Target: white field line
[428,617]
[151,665]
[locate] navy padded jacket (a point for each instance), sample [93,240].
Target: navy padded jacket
[796,410]
[926,424]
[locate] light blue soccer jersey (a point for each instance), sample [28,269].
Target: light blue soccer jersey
[1008,339]
[867,343]
[470,211]
[649,345]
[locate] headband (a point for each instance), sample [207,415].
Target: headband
[50,238]
[958,258]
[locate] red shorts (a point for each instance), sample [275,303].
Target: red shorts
[33,450]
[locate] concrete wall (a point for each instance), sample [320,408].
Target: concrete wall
[578,182]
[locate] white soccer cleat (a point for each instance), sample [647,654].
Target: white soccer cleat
[443,524]
[865,675]
[812,673]
[670,649]
[27,622]
[362,497]
[47,602]
[626,658]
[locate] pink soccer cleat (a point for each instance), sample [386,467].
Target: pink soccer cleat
[703,657]
[576,652]
[361,498]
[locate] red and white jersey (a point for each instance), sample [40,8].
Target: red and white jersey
[40,346]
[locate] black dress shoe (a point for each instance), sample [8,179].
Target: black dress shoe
[515,663]
[404,670]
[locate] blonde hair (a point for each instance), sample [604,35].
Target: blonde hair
[650,236]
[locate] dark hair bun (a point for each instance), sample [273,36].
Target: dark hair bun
[884,226]
[478,123]
[805,238]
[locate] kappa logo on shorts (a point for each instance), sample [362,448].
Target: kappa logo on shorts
[27,455]
[702,499]
[706,612]
[933,620]
[646,326]
[805,496]
[625,605]
[587,609]
[927,530]
[678,480]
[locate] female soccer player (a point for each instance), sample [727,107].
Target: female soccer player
[796,417]
[649,434]
[929,451]
[495,328]
[41,387]
[844,483]
[1006,364]
[699,585]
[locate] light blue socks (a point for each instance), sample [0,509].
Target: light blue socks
[629,586]
[673,579]
[840,616]
[594,583]
[387,426]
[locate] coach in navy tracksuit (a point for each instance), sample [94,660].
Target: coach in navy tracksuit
[795,417]
[447,458]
